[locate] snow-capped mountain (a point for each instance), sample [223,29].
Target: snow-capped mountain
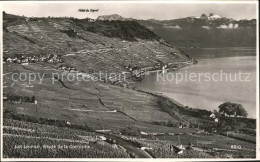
[205,31]
[211,16]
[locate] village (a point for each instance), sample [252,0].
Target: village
[25,59]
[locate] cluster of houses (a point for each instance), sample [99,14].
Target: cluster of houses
[24,59]
[213,116]
[181,64]
[19,99]
[134,70]
[90,20]
[139,72]
[160,134]
[67,68]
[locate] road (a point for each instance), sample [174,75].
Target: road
[130,147]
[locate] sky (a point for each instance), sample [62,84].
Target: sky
[159,11]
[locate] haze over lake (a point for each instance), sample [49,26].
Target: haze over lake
[206,94]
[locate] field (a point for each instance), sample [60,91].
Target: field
[82,103]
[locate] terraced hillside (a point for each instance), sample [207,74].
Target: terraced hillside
[87,45]
[55,142]
[100,105]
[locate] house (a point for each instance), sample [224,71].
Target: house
[5,97]
[144,133]
[68,123]
[25,63]
[92,20]
[216,120]
[103,138]
[163,69]
[146,148]
[9,60]
[50,60]
[43,58]
[25,60]
[176,149]
[17,101]
[212,115]
[181,125]
[180,152]
[181,147]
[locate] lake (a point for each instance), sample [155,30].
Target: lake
[221,75]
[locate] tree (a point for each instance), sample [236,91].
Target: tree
[217,114]
[227,108]
[240,111]
[33,99]
[230,108]
[131,131]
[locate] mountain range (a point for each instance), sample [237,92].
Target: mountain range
[205,31]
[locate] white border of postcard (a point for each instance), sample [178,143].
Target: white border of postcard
[120,159]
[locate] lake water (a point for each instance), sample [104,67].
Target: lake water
[221,75]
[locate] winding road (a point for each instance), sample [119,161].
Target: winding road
[130,147]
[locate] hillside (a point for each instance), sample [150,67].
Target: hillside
[61,36]
[128,30]
[71,47]
[113,17]
[68,81]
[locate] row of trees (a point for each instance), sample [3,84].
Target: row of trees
[229,108]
